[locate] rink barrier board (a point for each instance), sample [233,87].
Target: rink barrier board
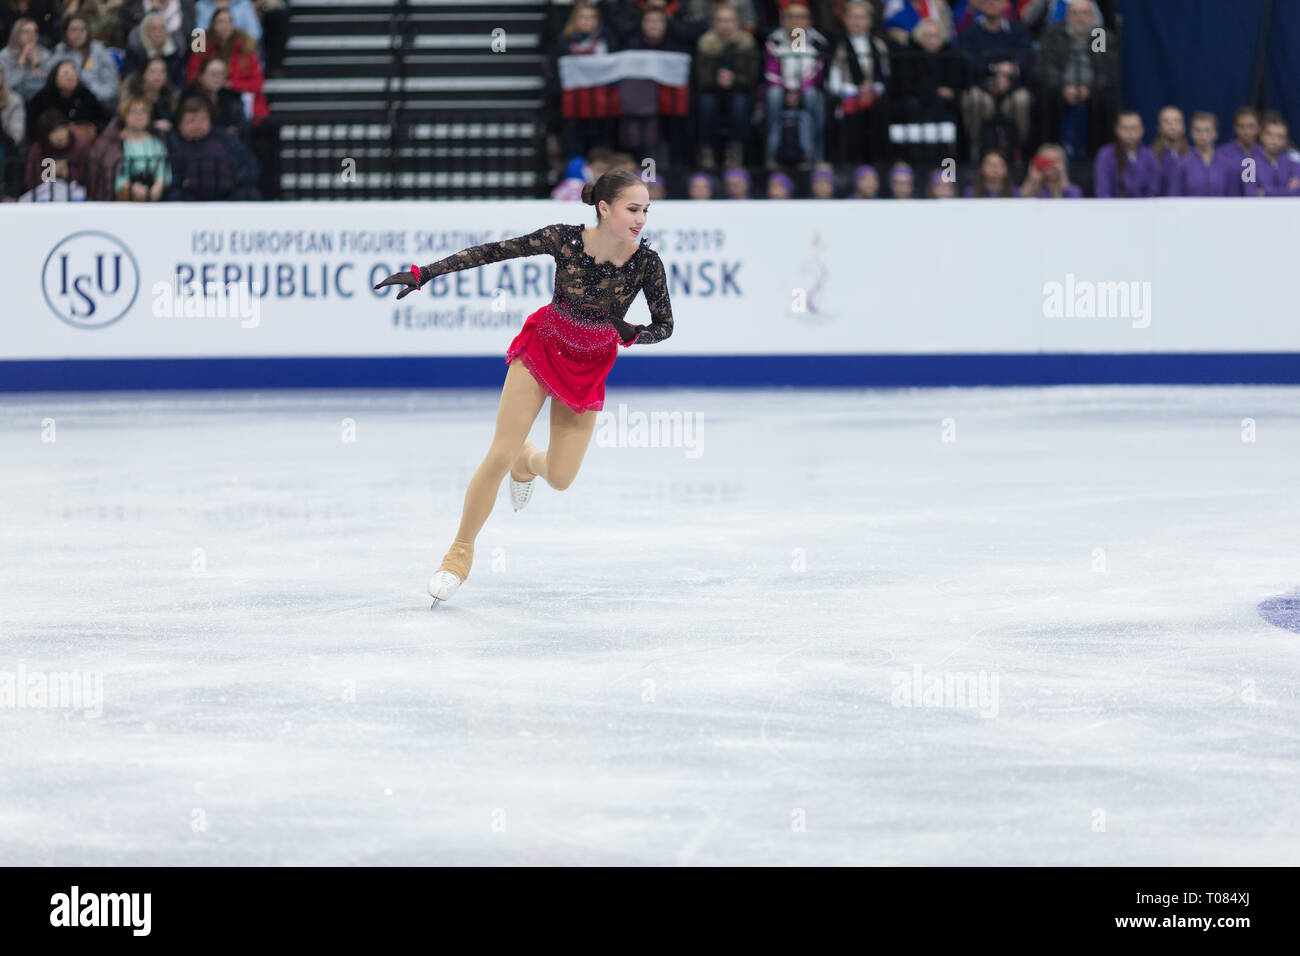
[682,371]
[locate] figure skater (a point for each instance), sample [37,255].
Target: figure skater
[565,349]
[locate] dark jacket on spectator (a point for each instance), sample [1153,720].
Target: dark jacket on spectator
[741,56]
[918,74]
[624,19]
[136,57]
[77,153]
[983,47]
[227,111]
[218,166]
[1054,56]
[104,162]
[81,107]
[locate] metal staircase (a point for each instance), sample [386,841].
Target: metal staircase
[385,100]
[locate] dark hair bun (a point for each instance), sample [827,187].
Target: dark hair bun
[587,190]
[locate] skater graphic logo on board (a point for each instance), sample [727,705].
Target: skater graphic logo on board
[805,302]
[90,279]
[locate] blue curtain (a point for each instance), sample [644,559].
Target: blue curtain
[1203,54]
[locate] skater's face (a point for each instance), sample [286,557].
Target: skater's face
[626,217]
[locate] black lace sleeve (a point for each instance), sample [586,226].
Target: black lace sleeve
[655,286]
[542,242]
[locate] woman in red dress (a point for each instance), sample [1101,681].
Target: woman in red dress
[565,349]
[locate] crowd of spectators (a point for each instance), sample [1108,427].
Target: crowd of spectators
[139,100]
[863,98]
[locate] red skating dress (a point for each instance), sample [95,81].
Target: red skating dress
[570,344]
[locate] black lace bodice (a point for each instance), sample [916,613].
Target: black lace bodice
[590,291]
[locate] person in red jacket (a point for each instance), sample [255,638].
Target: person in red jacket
[239,50]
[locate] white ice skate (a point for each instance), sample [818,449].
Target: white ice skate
[443,585]
[521,491]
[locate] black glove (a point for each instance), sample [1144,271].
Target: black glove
[626,332]
[410,279]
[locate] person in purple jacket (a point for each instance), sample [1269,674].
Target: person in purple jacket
[1125,169]
[1279,174]
[1169,146]
[1202,172]
[1245,124]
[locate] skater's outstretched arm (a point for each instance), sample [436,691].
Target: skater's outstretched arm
[542,242]
[655,286]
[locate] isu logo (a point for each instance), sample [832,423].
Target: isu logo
[90,280]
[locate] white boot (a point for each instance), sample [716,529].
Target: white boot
[443,585]
[453,571]
[522,491]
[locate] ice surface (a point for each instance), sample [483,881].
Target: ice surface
[681,659]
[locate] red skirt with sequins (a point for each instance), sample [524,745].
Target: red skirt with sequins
[569,359]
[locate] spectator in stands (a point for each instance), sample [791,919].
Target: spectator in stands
[902,17]
[997,52]
[794,78]
[822,184]
[274,15]
[624,18]
[699,186]
[726,74]
[901,181]
[1049,175]
[1079,81]
[145,172]
[1169,147]
[736,182]
[64,91]
[928,81]
[859,84]
[178,18]
[1202,172]
[243,16]
[780,186]
[151,39]
[102,18]
[1243,149]
[1279,173]
[966,13]
[866,182]
[44,13]
[203,159]
[96,68]
[26,64]
[239,52]
[939,186]
[13,114]
[225,105]
[56,140]
[653,112]
[1125,169]
[992,179]
[584,35]
[154,85]
[746,14]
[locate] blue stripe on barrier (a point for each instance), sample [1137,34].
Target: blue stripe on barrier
[1188,368]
